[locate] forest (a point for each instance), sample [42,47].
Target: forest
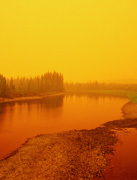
[98,86]
[53,82]
[39,85]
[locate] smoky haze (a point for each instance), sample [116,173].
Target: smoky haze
[84,40]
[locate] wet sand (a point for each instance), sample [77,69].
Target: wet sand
[78,154]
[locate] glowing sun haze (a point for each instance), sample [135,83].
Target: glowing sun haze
[83,39]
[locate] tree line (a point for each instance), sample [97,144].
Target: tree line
[52,82]
[23,86]
[78,87]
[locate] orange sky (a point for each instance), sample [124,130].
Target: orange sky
[83,39]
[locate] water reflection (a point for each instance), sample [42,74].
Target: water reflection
[5,110]
[42,108]
[96,96]
[2,113]
[22,120]
[48,103]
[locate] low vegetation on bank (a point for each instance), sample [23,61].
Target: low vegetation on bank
[96,88]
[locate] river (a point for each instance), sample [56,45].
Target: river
[22,120]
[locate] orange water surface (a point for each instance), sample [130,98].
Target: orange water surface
[123,163]
[22,120]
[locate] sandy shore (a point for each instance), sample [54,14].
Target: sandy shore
[74,155]
[130,110]
[5,100]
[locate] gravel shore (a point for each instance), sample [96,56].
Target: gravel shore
[66,155]
[74,155]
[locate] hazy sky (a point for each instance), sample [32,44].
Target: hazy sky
[83,39]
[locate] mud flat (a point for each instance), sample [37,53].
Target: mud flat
[77,154]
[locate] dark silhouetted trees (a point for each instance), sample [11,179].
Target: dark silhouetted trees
[39,85]
[3,86]
[52,82]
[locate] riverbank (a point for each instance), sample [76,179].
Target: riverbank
[30,98]
[67,155]
[117,93]
[77,154]
[130,110]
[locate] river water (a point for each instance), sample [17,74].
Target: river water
[22,120]
[123,163]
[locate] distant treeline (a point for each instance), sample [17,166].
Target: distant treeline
[53,82]
[83,87]
[16,87]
